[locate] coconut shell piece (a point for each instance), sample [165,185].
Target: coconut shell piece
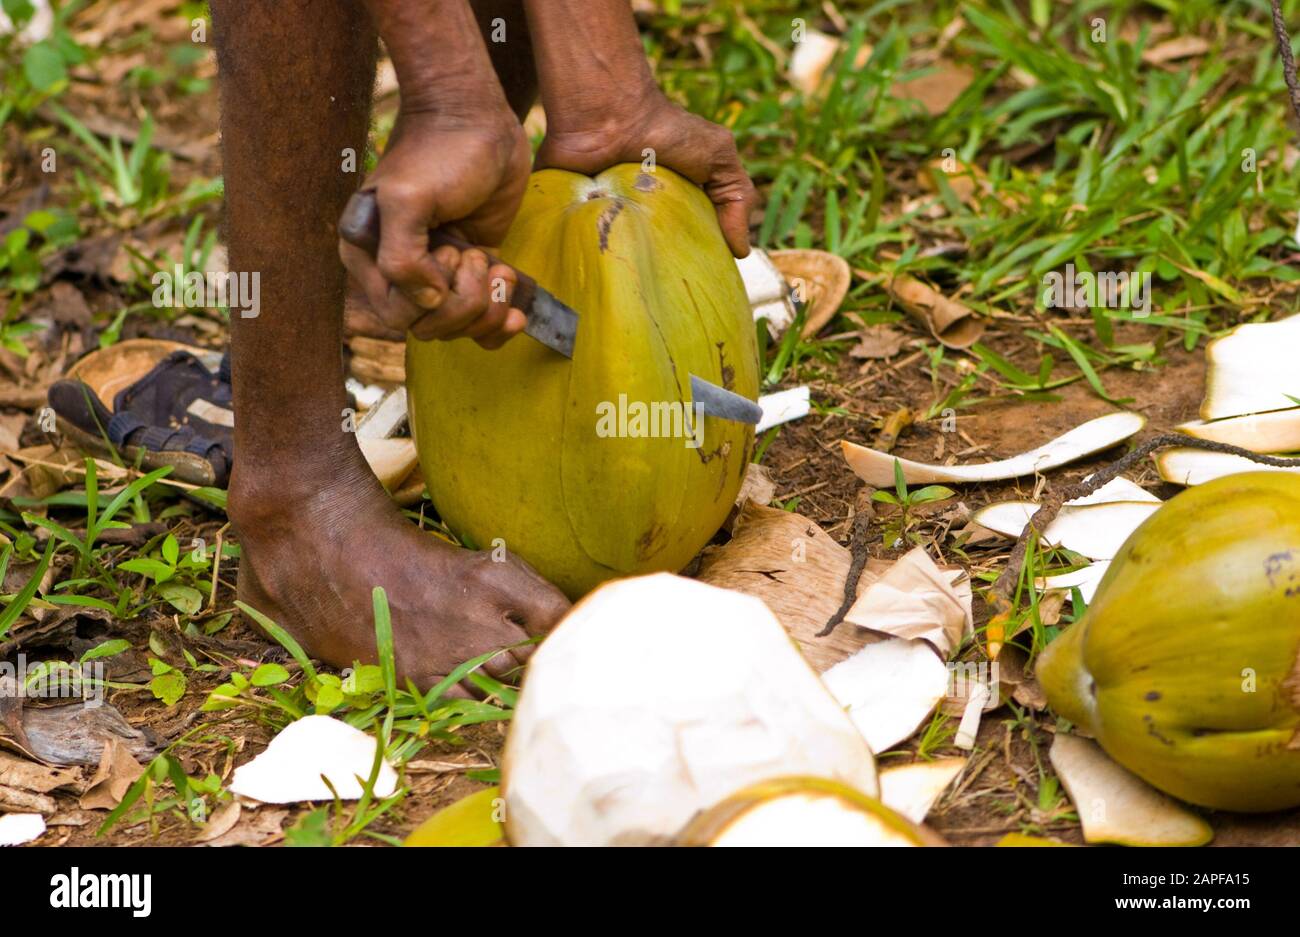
[1252,369]
[1095,530]
[1273,432]
[818,279]
[1115,805]
[877,468]
[290,770]
[889,688]
[912,790]
[1196,466]
[19,828]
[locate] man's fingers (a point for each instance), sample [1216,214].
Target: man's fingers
[735,198]
[467,300]
[501,289]
[514,324]
[404,258]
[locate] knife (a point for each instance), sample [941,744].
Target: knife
[724,404]
[550,321]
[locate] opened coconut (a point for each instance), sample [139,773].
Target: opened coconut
[597,467]
[1184,667]
[803,812]
[656,698]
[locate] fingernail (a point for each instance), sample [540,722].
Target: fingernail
[428,298]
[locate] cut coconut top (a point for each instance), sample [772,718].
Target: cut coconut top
[1095,530]
[1275,431]
[1196,466]
[889,688]
[1115,805]
[803,812]
[474,820]
[818,279]
[656,697]
[19,828]
[877,468]
[1252,369]
[290,769]
[913,790]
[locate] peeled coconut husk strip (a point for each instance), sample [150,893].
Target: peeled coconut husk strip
[1252,369]
[290,770]
[818,279]
[1086,580]
[1276,431]
[877,468]
[19,828]
[471,821]
[1115,805]
[913,790]
[766,290]
[953,323]
[803,811]
[1197,466]
[889,688]
[1095,530]
[783,406]
[657,697]
[377,360]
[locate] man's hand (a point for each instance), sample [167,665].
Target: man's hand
[701,151]
[466,175]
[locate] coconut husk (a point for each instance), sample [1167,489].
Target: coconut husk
[819,279]
[377,361]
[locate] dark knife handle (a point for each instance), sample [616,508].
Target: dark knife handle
[359,226]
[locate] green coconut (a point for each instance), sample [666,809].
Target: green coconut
[595,468]
[1184,667]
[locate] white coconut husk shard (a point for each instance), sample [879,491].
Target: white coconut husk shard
[296,764]
[877,468]
[1116,806]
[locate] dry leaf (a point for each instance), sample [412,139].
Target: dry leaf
[260,827]
[818,279]
[938,89]
[21,773]
[951,322]
[221,822]
[1182,47]
[116,773]
[877,342]
[915,599]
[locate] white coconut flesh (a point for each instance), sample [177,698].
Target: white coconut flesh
[889,688]
[1096,531]
[877,468]
[1116,806]
[655,698]
[19,828]
[809,819]
[1196,467]
[1252,369]
[1086,580]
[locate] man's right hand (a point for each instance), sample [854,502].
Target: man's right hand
[465,173]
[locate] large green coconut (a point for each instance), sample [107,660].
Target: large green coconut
[592,468]
[1184,667]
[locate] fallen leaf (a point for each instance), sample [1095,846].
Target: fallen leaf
[937,89]
[116,773]
[953,323]
[1182,47]
[221,822]
[260,827]
[915,599]
[19,772]
[877,342]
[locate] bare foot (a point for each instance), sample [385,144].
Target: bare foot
[311,554]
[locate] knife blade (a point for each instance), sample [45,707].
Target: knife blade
[550,321]
[722,403]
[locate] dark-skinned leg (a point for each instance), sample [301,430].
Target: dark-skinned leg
[316,529]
